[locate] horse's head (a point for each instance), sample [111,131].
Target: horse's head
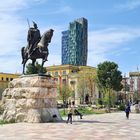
[49,35]
[46,37]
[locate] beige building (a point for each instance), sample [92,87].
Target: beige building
[5,78]
[78,79]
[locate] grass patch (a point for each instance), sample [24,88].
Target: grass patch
[83,111]
[63,113]
[6,122]
[88,111]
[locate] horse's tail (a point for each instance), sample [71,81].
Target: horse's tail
[22,54]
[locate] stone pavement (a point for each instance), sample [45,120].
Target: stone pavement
[113,126]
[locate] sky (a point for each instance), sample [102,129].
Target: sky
[113,30]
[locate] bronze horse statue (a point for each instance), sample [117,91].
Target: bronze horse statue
[40,50]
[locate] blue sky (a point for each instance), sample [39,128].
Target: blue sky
[113,30]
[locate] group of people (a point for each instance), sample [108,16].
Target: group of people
[73,111]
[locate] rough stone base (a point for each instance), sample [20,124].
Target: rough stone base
[31,99]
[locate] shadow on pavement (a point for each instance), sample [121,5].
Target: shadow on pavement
[87,121]
[91,121]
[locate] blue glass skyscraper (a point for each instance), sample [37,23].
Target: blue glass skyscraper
[65,40]
[74,43]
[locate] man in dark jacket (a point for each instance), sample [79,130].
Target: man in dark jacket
[127,111]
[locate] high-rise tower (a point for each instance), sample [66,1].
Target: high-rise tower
[65,41]
[74,43]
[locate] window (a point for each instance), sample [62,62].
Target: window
[64,73]
[2,78]
[7,79]
[49,73]
[64,81]
[56,73]
[56,79]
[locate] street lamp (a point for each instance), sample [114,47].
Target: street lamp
[138,84]
[125,84]
[60,88]
[108,85]
[73,86]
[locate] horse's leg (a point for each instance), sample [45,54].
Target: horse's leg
[46,57]
[24,63]
[33,66]
[23,67]
[33,62]
[41,69]
[23,54]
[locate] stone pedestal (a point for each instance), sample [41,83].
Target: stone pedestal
[31,99]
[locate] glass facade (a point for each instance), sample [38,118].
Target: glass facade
[74,43]
[65,41]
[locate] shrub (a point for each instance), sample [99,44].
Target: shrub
[6,122]
[121,107]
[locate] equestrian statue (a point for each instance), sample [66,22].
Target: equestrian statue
[37,46]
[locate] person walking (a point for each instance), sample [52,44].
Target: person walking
[127,111]
[70,112]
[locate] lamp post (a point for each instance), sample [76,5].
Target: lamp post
[73,86]
[131,88]
[125,88]
[138,84]
[61,92]
[108,85]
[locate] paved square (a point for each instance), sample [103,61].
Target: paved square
[112,126]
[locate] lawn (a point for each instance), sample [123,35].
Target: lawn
[83,111]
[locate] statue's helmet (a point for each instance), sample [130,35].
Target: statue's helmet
[35,25]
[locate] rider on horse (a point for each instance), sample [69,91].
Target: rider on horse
[33,38]
[37,46]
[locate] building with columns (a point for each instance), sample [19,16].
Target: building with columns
[134,82]
[71,75]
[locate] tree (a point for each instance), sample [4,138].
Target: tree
[109,78]
[64,93]
[30,69]
[86,85]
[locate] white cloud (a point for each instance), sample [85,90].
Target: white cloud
[13,32]
[40,1]
[53,60]
[109,42]
[10,65]
[129,5]
[12,5]
[63,9]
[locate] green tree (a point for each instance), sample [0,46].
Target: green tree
[87,84]
[64,92]
[109,79]
[30,69]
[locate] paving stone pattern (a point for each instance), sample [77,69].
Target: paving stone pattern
[113,126]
